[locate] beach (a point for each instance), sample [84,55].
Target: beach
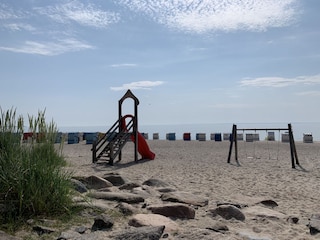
[290,196]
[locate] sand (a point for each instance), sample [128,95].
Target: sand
[201,168]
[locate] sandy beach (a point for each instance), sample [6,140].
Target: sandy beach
[201,168]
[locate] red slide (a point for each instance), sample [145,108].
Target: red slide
[143,147]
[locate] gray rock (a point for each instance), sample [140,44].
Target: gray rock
[228,212]
[78,185]
[173,210]
[269,203]
[95,182]
[155,183]
[69,235]
[314,224]
[5,236]
[219,227]
[40,230]
[102,222]
[129,186]
[115,179]
[141,220]
[141,233]
[126,209]
[185,197]
[117,196]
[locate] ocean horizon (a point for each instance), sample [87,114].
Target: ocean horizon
[298,128]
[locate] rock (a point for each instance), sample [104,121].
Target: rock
[314,224]
[166,190]
[184,197]
[292,219]
[81,229]
[95,182]
[69,235]
[268,203]
[102,222]
[173,210]
[115,179]
[126,209]
[129,186]
[259,211]
[117,196]
[5,236]
[78,185]
[141,233]
[219,227]
[237,205]
[155,183]
[228,212]
[248,235]
[140,220]
[43,230]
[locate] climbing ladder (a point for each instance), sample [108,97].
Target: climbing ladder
[109,146]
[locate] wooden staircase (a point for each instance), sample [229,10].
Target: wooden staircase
[109,146]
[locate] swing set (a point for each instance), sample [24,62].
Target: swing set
[234,141]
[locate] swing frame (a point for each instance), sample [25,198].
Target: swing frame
[233,140]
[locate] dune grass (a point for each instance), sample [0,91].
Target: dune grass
[32,180]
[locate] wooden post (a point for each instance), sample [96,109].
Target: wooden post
[94,152]
[233,139]
[293,149]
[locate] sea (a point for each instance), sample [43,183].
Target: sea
[298,128]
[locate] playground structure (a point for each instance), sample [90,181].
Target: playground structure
[109,146]
[234,140]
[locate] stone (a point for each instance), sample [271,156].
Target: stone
[314,224]
[115,179]
[129,186]
[228,212]
[95,182]
[126,209]
[40,230]
[117,196]
[181,211]
[155,183]
[268,203]
[262,212]
[78,185]
[102,222]
[5,236]
[140,220]
[69,235]
[184,197]
[141,233]
[219,227]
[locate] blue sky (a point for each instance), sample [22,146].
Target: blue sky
[187,61]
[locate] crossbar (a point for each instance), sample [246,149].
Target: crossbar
[262,129]
[233,139]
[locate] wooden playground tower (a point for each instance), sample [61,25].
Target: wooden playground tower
[233,140]
[110,145]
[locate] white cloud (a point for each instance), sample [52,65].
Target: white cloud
[87,15]
[309,93]
[146,85]
[121,65]
[19,27]
[6,13]
[49,48]
[216,15]
[280,82]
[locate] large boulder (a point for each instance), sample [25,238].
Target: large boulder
[117,196]
[140,220]
[228,212]
[174,210]
[184,197]
[141,233]
[95,182]
[314,224]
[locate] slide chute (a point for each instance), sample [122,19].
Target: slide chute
[143,147]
